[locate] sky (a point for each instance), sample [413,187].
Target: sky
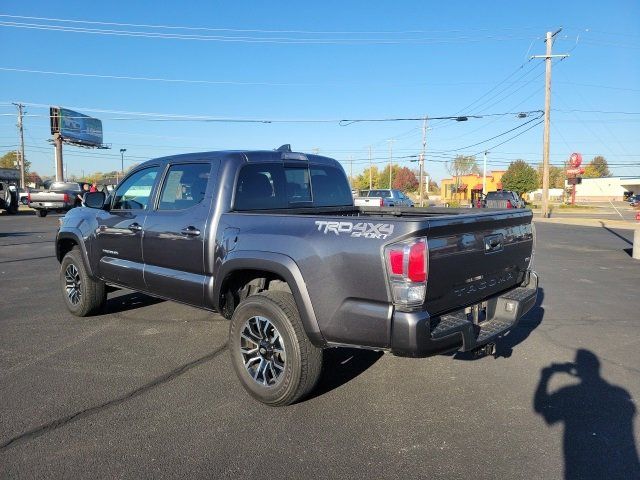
[307,65]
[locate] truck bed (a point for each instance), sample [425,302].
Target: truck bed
[465,266]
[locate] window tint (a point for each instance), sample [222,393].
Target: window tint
[330,187]
[267,186]
[135,191]
[261,186]
[184,186]
[298,186]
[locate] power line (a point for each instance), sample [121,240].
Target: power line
[93,22]
[227,82]
[154,116]
[250,39]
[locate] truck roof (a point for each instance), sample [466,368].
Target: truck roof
[248,156]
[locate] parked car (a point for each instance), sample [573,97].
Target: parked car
[634,200]
[273,241]
[503,199]
[60,197]
[383,198]
[8,198]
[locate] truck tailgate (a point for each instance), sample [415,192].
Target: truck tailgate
[476,256]
[47,197]
[367,201]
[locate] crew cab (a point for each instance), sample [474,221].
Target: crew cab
[59,197]
[383,198]
[273,242]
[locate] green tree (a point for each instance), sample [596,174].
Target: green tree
[361,182]
[10,160]
[520,177]
[383,176]
[557,176]
[597,167]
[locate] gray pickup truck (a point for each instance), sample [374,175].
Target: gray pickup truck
[272,241]
[59,197]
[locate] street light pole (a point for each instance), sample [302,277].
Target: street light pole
[122,150]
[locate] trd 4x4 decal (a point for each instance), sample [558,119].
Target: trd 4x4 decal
[360,229]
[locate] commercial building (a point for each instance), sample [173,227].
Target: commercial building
[606,188]
[465,188]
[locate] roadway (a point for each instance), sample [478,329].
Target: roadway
[145,389]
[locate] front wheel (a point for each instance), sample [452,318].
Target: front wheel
[83,295]
[270,352]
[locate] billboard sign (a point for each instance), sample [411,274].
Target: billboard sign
[75,127]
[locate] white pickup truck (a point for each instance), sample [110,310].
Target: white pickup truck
[383,198]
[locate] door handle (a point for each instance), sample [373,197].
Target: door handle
[135,227]
[190,231]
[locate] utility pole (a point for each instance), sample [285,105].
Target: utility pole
[391,140]
[547,119]
[57,142]
[484,173]
[21,132]
[422,157]
[370,172]
[351,170]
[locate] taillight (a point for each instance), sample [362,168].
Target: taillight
[381,202]
[407,270]
[509,204]
[28,197]
[65,198]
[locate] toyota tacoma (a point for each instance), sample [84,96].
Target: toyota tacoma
[273,242]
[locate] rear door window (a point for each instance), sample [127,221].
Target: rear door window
[274,186]
[184,186]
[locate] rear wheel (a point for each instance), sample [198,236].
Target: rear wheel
[83,295]
[41,213]
[270,352]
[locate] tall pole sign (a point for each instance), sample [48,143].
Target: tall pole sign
[575,160]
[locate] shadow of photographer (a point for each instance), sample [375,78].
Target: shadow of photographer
[598,437]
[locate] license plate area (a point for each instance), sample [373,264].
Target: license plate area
[477,313]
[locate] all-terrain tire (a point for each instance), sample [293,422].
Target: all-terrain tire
[82,295]
[302,360]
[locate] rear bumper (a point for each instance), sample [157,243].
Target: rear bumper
[50,205]
[417,334]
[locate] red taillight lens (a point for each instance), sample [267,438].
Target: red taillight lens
[407,271]
[28,197]
[417,262]
[509,204]
[66,198]
[381,202]
[396,260]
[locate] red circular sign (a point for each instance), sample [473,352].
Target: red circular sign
[575,160]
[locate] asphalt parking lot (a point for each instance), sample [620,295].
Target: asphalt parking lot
[146,389]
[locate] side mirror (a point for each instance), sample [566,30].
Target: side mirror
[94,199]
